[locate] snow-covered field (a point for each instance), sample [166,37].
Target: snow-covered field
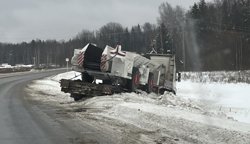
[231,99]
[199,113]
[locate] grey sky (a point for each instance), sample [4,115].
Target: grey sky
[24,20]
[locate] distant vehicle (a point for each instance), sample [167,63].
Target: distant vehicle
[111,70]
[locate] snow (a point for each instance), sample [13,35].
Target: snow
[125,111]
[24,66]
[230,98]
[6,68]
[218,76]
[4,65]
[209,112]
[226,92]
[51,87]
[68,75]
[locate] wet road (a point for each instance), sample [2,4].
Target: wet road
[26,122]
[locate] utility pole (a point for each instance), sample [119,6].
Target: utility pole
[161,40]
[47,61]
[183,49]
[153,44]
[241,47]
[38,56]
[236,55]
[67,61]
[34,60]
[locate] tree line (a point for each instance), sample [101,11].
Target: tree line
[138,39]
[209,36]
[222,31]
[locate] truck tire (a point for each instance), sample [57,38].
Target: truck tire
[150,85]
[76,97]
[162,91]
[134,83]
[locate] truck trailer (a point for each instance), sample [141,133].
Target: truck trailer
[111,70]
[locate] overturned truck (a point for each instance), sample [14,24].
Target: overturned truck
[111,70]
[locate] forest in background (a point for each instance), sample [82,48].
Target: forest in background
[207,37]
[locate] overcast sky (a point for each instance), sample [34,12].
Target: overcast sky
[24,20]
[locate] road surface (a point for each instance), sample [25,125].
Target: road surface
[23,121]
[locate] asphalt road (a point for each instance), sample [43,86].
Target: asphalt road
[25,122]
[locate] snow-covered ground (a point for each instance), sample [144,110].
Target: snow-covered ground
[199,113]
[230,98]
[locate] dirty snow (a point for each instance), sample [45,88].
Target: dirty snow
[200,113]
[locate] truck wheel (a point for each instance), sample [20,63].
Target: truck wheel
[135,81]
[162,91]
[150,85]
[76,97]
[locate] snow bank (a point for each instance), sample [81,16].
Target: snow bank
[5,68]
[24,66]
[48,89]
[16,66]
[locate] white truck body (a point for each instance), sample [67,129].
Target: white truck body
[116,62]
